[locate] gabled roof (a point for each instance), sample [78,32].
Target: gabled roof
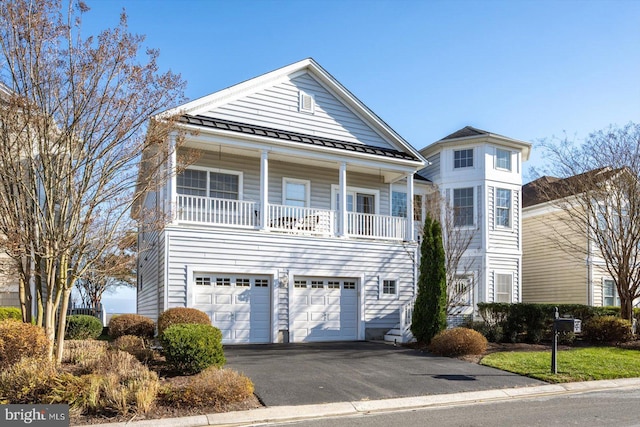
[465,132]
[310,66]
[470,134]
[549,188]
[228,125]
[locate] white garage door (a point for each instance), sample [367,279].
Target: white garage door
[324,309]
[237,305]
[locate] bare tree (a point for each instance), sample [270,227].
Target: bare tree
[113,268]
[73,121]
[595,186]
[456,242]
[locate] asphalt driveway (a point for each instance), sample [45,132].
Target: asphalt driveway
[301,374]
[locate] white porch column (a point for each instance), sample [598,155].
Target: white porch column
[264,189]
[342,212]
[410,208]
[172,209]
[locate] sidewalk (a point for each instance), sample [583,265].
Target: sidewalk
[295,413]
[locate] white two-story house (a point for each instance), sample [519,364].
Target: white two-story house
[479,175]
[281,226]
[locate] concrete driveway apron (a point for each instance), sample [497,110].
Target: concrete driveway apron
[301,374]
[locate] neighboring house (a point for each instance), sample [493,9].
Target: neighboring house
[552,272]
[283,228]
[479,175]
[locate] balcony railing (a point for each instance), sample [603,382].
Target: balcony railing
[376,226]
[217,211]
[302,220]
[287,219]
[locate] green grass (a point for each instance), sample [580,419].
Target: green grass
[583,364]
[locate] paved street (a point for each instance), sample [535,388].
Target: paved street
[593,409]
[300,374]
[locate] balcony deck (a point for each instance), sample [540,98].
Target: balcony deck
[287,219]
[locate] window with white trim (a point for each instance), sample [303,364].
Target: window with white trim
[503,159]
[349,285]
[214,183]
[295,192]
[610,295]
[389,287]
[262,283]
[417,207]
[463,158]
[503,287]
[399,204]
[299,283]
[223,281]
[244,282]
[503,207]
[463,207]
[203,281]
[462,289]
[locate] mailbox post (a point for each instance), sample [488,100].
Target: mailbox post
[561,325]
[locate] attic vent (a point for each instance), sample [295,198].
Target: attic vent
[306,103]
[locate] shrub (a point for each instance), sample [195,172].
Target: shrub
[492,332]
[131,324]
[181,315]
[135,346]
[116,384]
[18,339]
[26,381]
[212,387]
[83,352]
[10,313]
[192,348]
[458,342]
[607,329]
[82,327]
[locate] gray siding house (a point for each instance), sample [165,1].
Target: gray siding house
[281,225]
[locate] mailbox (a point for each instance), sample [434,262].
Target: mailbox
[568,325]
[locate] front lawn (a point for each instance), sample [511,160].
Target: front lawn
[581,364]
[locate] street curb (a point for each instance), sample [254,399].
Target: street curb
[302,412]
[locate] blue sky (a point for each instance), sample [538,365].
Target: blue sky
[525,69]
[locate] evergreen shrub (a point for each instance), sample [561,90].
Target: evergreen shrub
[191,348]
[82,327]
[177,315]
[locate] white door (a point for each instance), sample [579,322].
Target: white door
[324,309]
[237,305]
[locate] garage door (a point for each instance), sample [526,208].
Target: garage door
[237,305]
[324,309]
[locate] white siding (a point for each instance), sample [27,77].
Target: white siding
[265,253]
[504,238]
[150,264]
[277,107]
[432,171]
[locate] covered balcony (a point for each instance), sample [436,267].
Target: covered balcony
[287,219]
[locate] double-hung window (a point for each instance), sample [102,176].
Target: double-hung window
[399,204]
[463,158]
[610,295]
[463,207]
[295,192]
[503,159]
[207,183]
[503,207]
[503,287]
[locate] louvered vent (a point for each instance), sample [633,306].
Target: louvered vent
[306,103]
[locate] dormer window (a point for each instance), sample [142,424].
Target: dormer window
[306,103]
[503,159]
[463,158]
